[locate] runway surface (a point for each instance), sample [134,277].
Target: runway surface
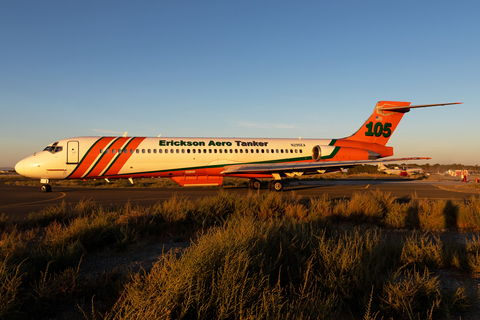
[17,202]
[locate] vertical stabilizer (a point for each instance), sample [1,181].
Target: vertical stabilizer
[382,123]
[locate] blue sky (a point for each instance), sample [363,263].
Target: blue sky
[311,69]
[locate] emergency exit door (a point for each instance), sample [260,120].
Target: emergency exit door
[72,152]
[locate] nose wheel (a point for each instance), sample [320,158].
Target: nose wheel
[46,188]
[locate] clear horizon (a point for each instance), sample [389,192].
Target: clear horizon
[272,69]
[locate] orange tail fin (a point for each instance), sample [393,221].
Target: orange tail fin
[382,123]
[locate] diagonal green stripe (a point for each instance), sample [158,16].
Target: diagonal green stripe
[116,157]
[331,155]
[86,153]
[103,154]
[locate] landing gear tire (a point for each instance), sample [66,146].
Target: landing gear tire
[254,184]
[46,188]
[275,185]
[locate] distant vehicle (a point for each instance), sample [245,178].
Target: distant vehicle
[206,161]
[403,172]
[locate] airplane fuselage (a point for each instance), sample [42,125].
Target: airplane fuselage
[133,157]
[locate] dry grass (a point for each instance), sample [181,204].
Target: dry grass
[268,256]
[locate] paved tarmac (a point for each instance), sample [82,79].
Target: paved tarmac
[17,202]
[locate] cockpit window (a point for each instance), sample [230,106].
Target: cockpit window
[53,148]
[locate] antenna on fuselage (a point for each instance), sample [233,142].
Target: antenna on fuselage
[125,134]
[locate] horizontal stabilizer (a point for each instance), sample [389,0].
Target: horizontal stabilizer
[387,107]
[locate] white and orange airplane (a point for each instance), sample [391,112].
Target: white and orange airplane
[206,161]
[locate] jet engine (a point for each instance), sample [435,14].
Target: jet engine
[319,151]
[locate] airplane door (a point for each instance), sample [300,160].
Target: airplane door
[72,152]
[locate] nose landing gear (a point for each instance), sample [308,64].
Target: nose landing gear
[46,187]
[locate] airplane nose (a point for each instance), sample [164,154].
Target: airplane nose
[20,167]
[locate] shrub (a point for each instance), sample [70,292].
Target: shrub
[408,294]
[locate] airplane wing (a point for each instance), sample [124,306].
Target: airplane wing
[306,167]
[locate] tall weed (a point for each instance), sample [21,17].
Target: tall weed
[422,250]
[10,282]
[411,293]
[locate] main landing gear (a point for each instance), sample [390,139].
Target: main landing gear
[254,184]
[273,185]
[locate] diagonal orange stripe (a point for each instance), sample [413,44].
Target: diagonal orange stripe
[122,159]
[107,157]
[90,157]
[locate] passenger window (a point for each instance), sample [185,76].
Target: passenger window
[137,150]
[160,151]
[300,150]
[113,151]
[281,150]
[154,150]
[101,150]
[215,150]
[209,150]
[188,150]
[178,151]
[143,150]
[166,150]
[183,150]
[219,150]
